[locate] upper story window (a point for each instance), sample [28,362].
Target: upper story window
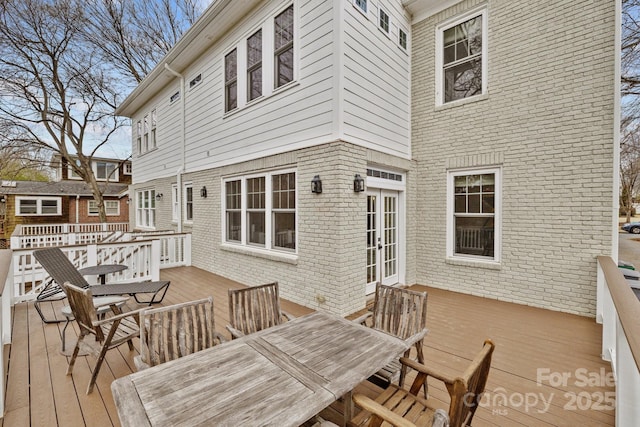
[127,168]
[383,21]
[283,47]
[474,214]
[111,207]
[105,170]
[361,4]
[462,58]
[27,206]
[146,208]
[194,81]
[139,136]
[260,210]
[173,98]
[145,139]
[154,123]
[402,38]
[231,80]
[254,66]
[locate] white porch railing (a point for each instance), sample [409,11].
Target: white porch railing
[143,258]
[38,229]
[6,301]
[62,239]
[618,309]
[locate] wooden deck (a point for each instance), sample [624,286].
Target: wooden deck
[546,369]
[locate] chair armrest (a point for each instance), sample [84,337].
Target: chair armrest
[287,315]
[112,301]
[363,319]
[218,336]
[134,313]
[416,337]
[235,333]
[425,370]
[374,407]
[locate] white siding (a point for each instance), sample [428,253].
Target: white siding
[294,117]
[376,79]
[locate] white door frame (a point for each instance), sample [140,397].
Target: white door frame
[380,187]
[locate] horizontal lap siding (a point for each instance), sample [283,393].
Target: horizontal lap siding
[376,80]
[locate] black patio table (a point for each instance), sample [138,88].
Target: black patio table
[102,270]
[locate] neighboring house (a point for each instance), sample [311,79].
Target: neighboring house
[68,200]
[104,169]
[468,145]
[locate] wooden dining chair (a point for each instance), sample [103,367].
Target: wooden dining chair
[167,333]
[403,314]
[108,332]
[254,309]
[402,407]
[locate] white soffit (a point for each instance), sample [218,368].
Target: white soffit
[422,9]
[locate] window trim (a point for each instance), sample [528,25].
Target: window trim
[439,62]
[92,201]
[256,66]
[269,245]
[39,201]
[228,83]
[186,202]
[450,223]
[152,208]
[406,39]
[111,177]
[361,6]
[293,45]
[381,11]
[175,203]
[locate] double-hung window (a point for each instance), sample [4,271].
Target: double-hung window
[462,57]
[26,206]
[283,47]
[231,80]
[254,66]
[361,4]
[139,136]
[383,21]
[188,202]
[145,141]
[154,122]
[146,208]
[474,214]
[260,210]
[111,207]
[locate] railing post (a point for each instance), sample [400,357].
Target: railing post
[627,382]
[187,250]
[92,259]
[155,260]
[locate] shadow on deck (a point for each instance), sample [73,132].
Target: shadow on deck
[546,369]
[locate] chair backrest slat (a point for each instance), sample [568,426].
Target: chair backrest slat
[81,303]
[468,389]
[399,312]
[254,309]
[168,333]
[59,267]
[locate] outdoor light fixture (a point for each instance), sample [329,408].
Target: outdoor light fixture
[358,183]
[159,196]
[203,192]
[2,200]
[316,185]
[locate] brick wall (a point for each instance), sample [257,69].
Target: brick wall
[547,120]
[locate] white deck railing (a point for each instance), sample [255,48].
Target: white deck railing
[38,229]
[6,301]
[144,258]
[618,309]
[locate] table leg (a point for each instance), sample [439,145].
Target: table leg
[348,407]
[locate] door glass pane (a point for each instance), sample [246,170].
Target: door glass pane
[390,236]
[372,239]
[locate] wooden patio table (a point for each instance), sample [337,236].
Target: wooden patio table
[281,376]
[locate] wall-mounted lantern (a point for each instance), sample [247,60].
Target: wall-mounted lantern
[316,185]
[358,183]
[203,192]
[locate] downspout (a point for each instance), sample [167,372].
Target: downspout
[77,208]
[183,132]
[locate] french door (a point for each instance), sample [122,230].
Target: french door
[382,238]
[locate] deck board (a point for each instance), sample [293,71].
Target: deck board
[527,339]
